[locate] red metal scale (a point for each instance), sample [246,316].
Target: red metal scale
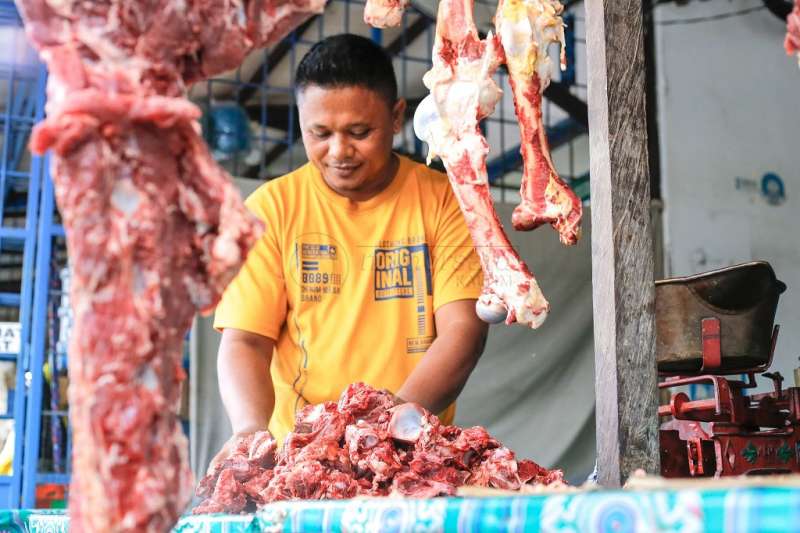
[732,433]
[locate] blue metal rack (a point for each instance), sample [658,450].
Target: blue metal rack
[22,84]
[37,469]
[42,445]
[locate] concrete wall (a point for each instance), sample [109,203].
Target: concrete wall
[729,116]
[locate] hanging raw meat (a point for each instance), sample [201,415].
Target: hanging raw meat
[526,28]
[155,229]
[384,13]
[792,42]
[462,94]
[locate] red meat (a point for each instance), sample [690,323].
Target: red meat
[365,445]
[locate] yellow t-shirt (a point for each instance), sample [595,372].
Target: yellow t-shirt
[349,289]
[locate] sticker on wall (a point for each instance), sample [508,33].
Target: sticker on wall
[773,189]
[770,187]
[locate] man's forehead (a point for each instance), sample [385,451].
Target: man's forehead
[341,107]
[355,96]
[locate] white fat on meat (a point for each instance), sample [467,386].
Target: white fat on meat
[125,196]
[384,13]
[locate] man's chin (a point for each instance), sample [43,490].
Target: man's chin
[340,183]
[344,185]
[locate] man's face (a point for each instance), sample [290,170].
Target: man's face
[347,133]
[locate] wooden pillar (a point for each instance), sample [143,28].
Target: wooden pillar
[622,250]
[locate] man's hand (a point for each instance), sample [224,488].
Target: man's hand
[395,398]
[441,374]
[245,384]
[228,448]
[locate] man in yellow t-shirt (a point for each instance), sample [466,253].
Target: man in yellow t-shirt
[365,272]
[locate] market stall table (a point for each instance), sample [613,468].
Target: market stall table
[706,508]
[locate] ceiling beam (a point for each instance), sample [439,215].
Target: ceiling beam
[558,135]
[272,60]
[560,95]
[409,35]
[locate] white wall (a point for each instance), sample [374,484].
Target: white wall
[729,114]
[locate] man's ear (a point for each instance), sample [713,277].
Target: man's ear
[398,113]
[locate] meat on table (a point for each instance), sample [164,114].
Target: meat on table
[364,445]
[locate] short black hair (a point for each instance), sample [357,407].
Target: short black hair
[348,60]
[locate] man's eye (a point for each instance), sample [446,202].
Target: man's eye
[360,133]
[320,134]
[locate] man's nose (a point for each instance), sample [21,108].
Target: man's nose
[340,147]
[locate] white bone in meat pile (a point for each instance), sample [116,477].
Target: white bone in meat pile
[155,229]
[792,42]
[364,445]
[384,13]
[462,94]
[526,28]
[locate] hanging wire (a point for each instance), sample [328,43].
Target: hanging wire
[695,20]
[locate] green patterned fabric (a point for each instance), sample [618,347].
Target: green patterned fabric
[12,521]
[751,510]
[47,521]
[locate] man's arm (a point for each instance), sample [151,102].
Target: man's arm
[244,379]
[441,374]
[245,385]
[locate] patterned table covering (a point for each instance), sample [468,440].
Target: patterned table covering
[757,510]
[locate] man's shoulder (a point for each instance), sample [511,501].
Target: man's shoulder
[278,191]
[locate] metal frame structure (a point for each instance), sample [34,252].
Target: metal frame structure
[42,350]
[22,80]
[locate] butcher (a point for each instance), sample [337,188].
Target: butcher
[365,271]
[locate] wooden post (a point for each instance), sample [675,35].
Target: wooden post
[622,250]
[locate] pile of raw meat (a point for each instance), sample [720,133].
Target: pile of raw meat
[155,229]
[366,444]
